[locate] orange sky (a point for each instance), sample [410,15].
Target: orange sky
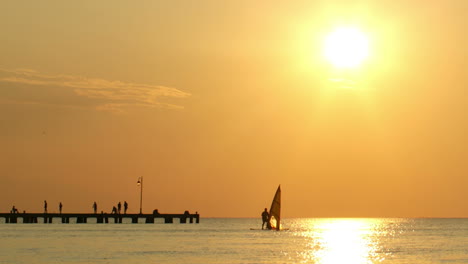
[215,103]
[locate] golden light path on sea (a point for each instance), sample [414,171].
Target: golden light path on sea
[350,241]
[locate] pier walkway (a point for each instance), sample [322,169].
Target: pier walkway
[81,218]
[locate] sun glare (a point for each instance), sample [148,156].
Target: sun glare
[346,47]
[343,241]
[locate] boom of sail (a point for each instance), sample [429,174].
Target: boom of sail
[274,221]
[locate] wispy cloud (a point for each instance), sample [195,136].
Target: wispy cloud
[343,82]
[111,96]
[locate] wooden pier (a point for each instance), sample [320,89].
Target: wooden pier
[32,218]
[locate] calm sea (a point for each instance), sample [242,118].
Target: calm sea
[215,240]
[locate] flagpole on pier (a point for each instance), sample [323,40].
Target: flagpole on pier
[140,182]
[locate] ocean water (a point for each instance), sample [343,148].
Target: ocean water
[218,240]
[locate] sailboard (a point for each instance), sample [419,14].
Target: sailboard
[274,220]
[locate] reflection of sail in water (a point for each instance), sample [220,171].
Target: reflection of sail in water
[275,211]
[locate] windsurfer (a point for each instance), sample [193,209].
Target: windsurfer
[265,217]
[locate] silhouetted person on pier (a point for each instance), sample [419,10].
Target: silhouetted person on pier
[125,207]
[119,207]
[95,207]
[14,210]
[265,216]
[60,207]
[45,206]
[114,210]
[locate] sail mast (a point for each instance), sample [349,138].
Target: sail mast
[275,210]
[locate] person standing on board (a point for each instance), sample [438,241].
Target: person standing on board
[265,216]
[45,207]
[60,207]
[125,207]
[95,207]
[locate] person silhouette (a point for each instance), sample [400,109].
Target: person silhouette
[95,207]
[114,210]
[265,216]
[119,207]
[45,206]
[125,207]
[60,207]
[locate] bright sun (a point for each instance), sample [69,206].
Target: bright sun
[346,47]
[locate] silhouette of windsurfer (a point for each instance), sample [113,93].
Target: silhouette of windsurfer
[265,216]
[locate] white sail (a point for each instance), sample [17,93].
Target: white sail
[275,211]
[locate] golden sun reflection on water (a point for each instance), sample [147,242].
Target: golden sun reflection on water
[350,241]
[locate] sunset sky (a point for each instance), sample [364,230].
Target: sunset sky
[215,103]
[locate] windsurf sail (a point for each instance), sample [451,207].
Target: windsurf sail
[274,221]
